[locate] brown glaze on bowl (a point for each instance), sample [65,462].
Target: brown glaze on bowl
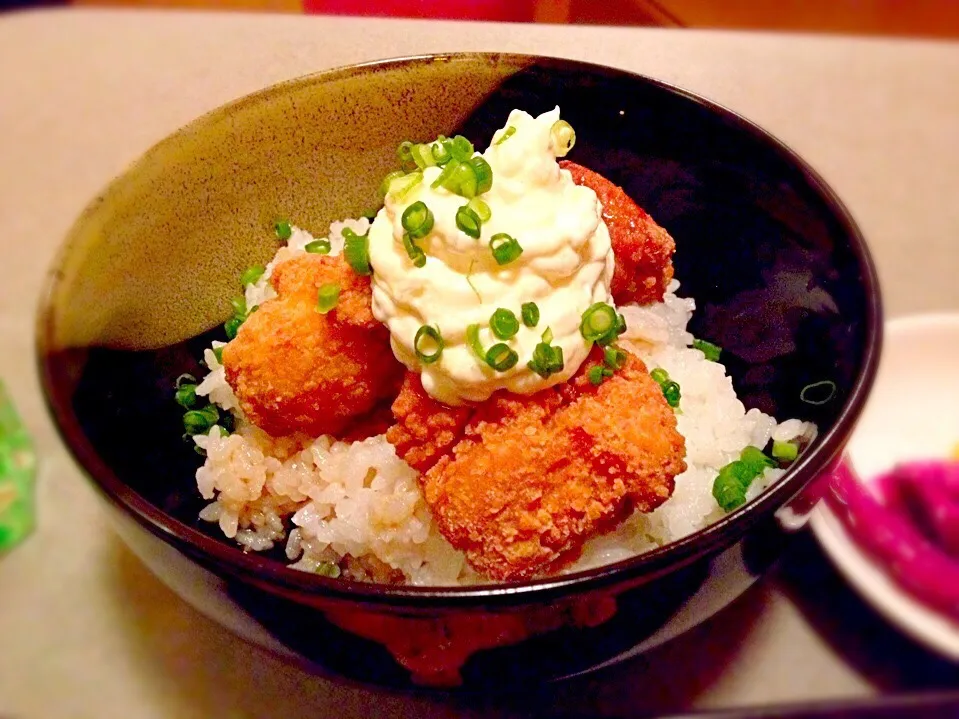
[781,274]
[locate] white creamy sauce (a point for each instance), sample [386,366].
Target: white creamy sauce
[566,266]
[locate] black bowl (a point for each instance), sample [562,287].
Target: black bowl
[780,272]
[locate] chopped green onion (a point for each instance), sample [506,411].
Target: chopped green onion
[184,379]
[483,173]
[239,306]
[785,451]
[754,458]
[507,134]
[530,314]
[328,569]
[620,324]
[818,393]
[660,376]
[469,222]
[442,150]
[417,220]
[199,421]
[546,360]
[218,353]
[283,230]
[318,247]
[388,181]
[327,297]
[462,180]
[404,154]
[232,326]
[480,208]
[504,324]
[445,176]
[423,155]
[710,350]
[401,186]
[461,148]
[252,275]
[548,335]
[599,323]
[473,340]
[469,281]
[414,251]
[562,137]
[500,357]
[185,396]
[505,248]
[730,485]
[427,337]
[596,374]
[671,393]
[614,357]
[356,251]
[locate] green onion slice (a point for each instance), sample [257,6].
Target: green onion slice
[356,251]
[319,247]
[252,275]
[405,155]
[711,351]
[417,220]
[184,379]
[483,173]
[232,326]
[614,357]
[480,208]
[461,148]
[785,451]
[660,376]
[506,134]
[218,353]
[530,313]
[596,375]
[754,458]
[473,340]
[283,230]
[239,306]
[401,186]
[423,155]
[503,324]
[461,180]
[328,569]
[469,222]
[327,297]
[599,323]
[442,150]
[818,393]
[500,357]
[505,248]
[428,344]
[548,335]
[672,393]
[445,175]
[185,396]
[547,360]
[414,251]
[620,324]
[388,181]
[563,137]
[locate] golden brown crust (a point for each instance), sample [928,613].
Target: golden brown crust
[296,370]
[643,249]
[519,483]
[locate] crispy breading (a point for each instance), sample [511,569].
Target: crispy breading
[520,483]
[296,370]
[642,248]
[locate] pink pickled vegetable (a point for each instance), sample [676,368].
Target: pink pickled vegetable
[910,552]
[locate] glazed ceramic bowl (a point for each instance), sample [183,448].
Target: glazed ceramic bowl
[781,276]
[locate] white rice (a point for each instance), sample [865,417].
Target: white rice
[360,506]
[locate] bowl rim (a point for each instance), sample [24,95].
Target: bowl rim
[224,558]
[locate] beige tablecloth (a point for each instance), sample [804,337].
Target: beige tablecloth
[85,631]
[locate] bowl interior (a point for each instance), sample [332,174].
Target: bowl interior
[781,278]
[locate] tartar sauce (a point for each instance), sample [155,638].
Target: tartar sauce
[565,267]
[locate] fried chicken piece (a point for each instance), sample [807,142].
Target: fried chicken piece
[294,369]
[519,483]
[643,249]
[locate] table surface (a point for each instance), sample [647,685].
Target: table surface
[88,632]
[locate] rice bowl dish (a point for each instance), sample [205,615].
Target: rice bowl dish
[347,504]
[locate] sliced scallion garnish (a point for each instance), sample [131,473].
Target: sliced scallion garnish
[413,251]
[327,296]
[480,208]
[401,186]
[283,230]
[711,351]
[599,323]
[428,344]
[506,134]
[530,314]
[473,340]
[505,249]
[388,181]
[356,251]
[461,148]
[562,137]
[318,247]
[501,358]
[417,220]
[468,222]
[785,451]
[252,275]
[503,324]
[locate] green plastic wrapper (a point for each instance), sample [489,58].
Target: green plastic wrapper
[18,466]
